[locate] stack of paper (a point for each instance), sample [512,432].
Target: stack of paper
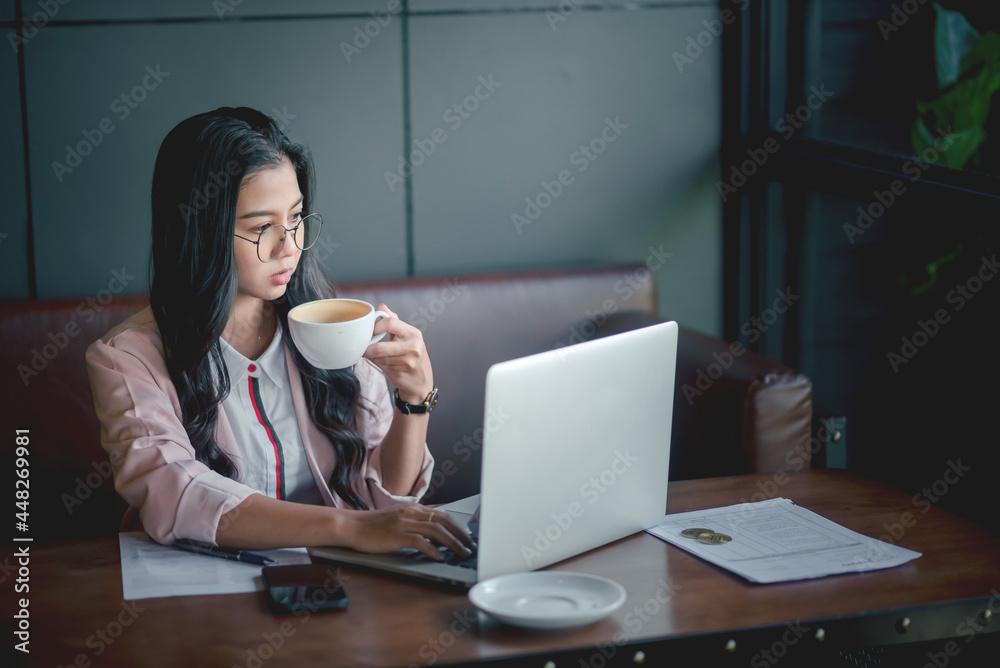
[777,541]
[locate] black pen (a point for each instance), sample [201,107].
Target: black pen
[224,552]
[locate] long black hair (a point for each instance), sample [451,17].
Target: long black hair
[196,182]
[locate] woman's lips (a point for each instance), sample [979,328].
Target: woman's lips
[282,277]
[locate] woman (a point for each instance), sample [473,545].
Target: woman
[218,428]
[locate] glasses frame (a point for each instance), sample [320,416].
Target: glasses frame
[295,236]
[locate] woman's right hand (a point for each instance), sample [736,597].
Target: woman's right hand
[405,526]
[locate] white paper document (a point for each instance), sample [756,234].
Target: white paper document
[151,570]
[777,541]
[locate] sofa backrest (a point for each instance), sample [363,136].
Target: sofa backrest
[468,322]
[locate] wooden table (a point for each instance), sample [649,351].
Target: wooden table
[678,606]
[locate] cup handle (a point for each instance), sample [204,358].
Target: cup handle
[378,337]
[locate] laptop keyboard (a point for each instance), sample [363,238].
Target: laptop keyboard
[453,559]
[450,558]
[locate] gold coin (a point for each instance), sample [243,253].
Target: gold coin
[714,538]
[694,533]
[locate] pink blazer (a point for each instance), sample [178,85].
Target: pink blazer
[154,464]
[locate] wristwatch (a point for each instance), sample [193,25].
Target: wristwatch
[417,409]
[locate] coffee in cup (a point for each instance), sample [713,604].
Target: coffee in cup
[334,333]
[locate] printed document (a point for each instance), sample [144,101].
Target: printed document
[777,541]
[151,570]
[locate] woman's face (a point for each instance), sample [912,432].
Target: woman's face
[270,196]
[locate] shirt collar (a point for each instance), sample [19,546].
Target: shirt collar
[271,363]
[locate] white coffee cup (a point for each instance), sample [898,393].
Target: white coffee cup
[334,333]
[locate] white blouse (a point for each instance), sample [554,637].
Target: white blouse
[262,415]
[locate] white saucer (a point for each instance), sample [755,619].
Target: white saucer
[548,599]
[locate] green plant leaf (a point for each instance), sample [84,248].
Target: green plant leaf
[962,109]
[954,37]
[986,51]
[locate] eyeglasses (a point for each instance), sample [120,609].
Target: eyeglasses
[271,239]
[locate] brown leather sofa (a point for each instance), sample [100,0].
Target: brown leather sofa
[734,411]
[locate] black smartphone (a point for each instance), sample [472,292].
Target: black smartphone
[300,588]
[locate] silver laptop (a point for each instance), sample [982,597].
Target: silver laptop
[576,450]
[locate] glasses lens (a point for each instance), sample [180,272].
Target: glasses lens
[271,241]
[309,230]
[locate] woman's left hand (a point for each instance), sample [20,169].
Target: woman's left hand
[402,357]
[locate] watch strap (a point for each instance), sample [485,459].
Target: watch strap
[407,408]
